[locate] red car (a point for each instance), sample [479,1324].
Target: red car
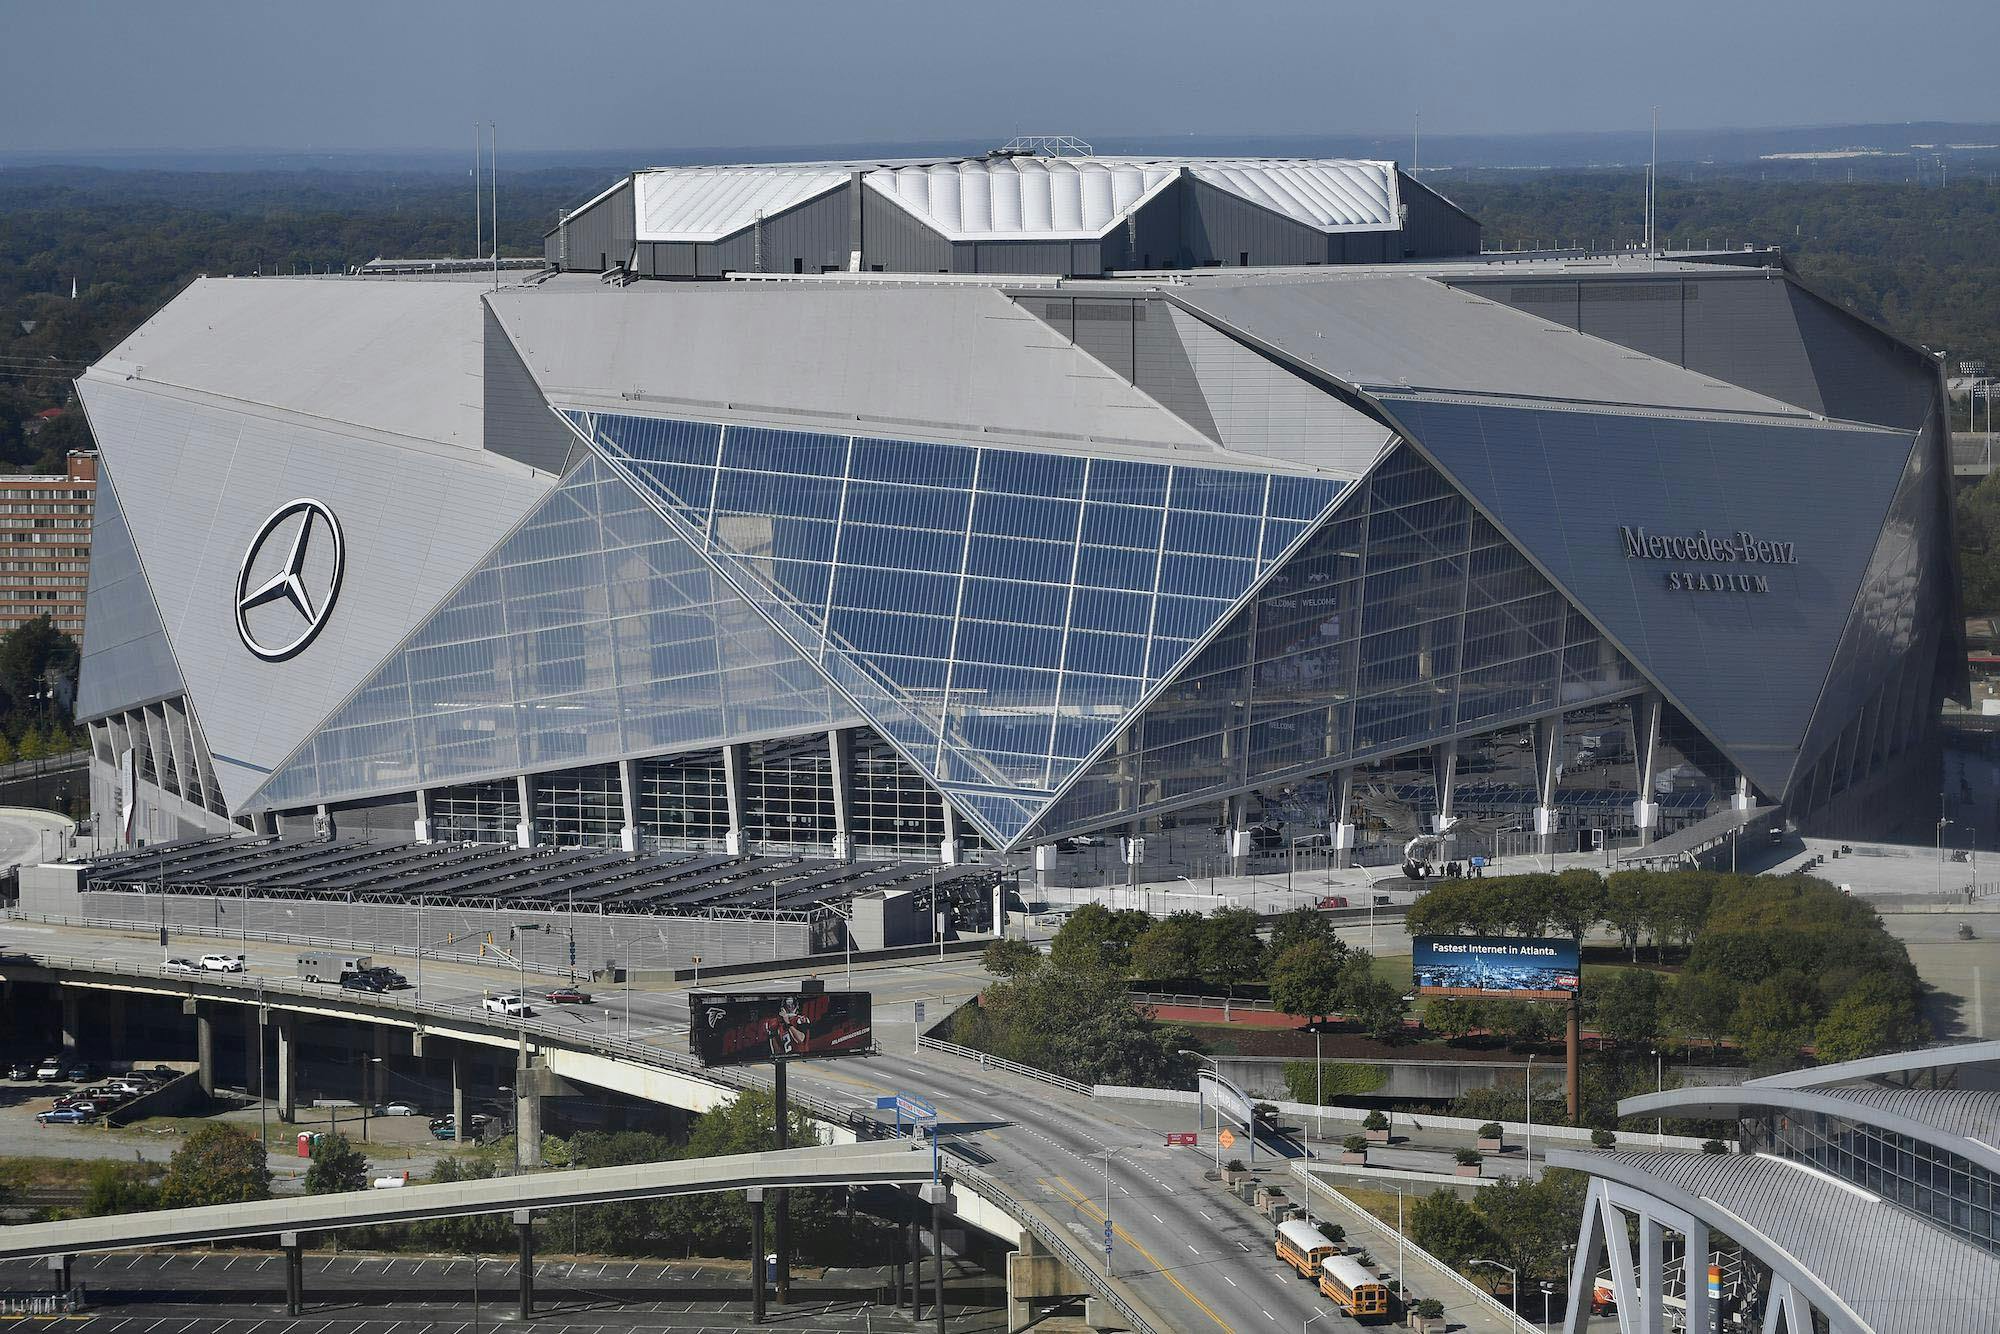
[567,996]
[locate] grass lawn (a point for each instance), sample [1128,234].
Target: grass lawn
[1380,1203]
[53,1173]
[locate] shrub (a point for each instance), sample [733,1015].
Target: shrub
[1375,1121]
[1714,1146]
[1333,1232]
[1234,1165]
[1468,1157]
[1266,1112]
[1491,1130]
[1603,1139]
[1430,1308]
[1355,1144]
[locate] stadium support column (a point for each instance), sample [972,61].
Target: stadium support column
[734,781]
[1645,763]
[628,794]
[1548,767]
[1339,807]
[948,850]
[1742,799]
[840,749]
[524,792]
[423,823]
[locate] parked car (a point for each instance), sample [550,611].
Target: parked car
[222,963]
[364,982]
[181,966]
[1334,901]
[62,1116]
[511,1006]
[442,1127]
[52,1068]
[567,996]
[399,1109]
[21,1070]
[79,1071]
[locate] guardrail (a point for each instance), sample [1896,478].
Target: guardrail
[861,1125]
[341,943]
[1011,1067]
[1199,1001]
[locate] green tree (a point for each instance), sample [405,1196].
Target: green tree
[1306,979]
[34,657]
[216,1164]
[1448,908]
[1523,1023]
[1453,1017]
[1230,949]
[118,1188]
[1094,938]
[1374,1003]
[1531,1223]
[1872,1018]
[1297,927]
[1170,950]
[1576,902]
[1702,1005]
[1626,906]
[1625,1007]
[472,1233]
[1078,1023]
[1524,902]
[337,1167]
[1775,1018]
[1449,1228]
[1010,958]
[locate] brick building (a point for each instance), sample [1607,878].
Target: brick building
[45,523]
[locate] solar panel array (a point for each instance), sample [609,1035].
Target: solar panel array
[489,875]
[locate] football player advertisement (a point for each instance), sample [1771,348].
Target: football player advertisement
[744,1028]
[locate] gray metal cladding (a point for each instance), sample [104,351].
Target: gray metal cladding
[810,238]
[1864,374]
[1743,659]
[893,240]
[1643,315]
[1219,228]
[519,423]
[1160,367]
[126,659]
[599,237]
[1433,225]
[1104,329]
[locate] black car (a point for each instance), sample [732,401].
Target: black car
[21,1070]
[390,979]
[364,982]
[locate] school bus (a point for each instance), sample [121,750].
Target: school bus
[1352,1288]
[1303,1246]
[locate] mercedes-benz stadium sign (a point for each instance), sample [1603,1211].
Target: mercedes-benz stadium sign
[289,580]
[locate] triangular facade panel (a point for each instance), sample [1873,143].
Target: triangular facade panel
[1405,619]
[592,632]
[1691,541]
[127,660]
[997,613]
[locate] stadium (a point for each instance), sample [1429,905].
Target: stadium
[960,512]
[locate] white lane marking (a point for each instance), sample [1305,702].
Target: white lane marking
[1190,1246]
[1230,1281]
[1156,1217]
[1268,1316]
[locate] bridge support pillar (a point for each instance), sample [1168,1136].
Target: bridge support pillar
[295,1282]
[253,1045]
[59,1272]
[916,1243]
[937,1193]
[527,1118]
[204,1049]
[757,1266]
[288,1066]
[1033,1277]
[458,1076]
[378,1069]
[524,1225]
[72,1023]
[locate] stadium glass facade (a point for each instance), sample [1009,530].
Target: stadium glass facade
[895,590]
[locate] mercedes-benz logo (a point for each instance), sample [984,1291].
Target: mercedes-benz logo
[280,607]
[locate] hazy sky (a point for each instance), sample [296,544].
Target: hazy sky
[368,74]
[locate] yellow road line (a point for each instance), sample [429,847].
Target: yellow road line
[1077,1197]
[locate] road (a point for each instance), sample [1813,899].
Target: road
[1196,1255]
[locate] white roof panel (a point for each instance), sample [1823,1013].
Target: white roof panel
[1023,198]
[709,203]
[1334,195]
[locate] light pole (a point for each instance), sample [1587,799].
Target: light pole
[1548,1291]
[1396,1186]
[1513,1285]
[1942,822]
[1659,1086]
[1311,1318]
[1528,1151]
[1107,1155]
[1203,1056]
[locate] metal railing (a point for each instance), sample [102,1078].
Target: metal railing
[285,938]
[1200,1001]
[1011,1067]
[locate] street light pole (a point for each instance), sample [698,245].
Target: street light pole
[1659,1086]
[1528,1152]
[1513,1284]
[1942,822]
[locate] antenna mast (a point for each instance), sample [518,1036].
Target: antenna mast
[478,226]
[494,182]
[1653,189]
[1416,135]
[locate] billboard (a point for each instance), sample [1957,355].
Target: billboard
[1523,967]
[745,1028]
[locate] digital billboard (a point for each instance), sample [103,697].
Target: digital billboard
[745,1028]
[1522,967]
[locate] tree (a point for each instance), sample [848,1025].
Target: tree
[1532,1222]
[1010,958]
[1306,979]
[118,1188]
[1576,902]
[1170,950]
[218,1164]
[1375,1004]
[34,657]
[1093,937]
[1701,1006]
[337,1167]
[1523,1023]
[1230,949]
[1625,906]
[1875,1016]
[1454,1017]
[1449,1228]
[1299,926]
[1775,1018]
[1525,902]
[1625,1007]
[1078,1023]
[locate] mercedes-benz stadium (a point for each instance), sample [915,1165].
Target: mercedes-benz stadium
[984,507]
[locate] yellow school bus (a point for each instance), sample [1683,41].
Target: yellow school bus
[1303,1246]
[1349,1285]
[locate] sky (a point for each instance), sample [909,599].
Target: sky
[102,75]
